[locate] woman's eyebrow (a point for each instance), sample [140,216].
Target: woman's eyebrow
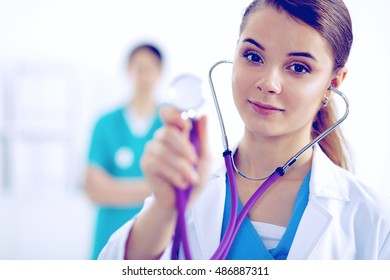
[292,54]
[302,54]
[254,42]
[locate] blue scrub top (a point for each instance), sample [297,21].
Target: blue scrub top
[115,148]
[248,245]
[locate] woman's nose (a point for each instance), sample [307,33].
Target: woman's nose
[269,82]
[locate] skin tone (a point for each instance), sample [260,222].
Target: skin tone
[280,78]
[144,70]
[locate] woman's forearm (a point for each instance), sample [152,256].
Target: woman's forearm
[151,233]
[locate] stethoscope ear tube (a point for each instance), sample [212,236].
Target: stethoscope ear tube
[234,222]
[248,206]
[217,108]
[226,239]
[293,159]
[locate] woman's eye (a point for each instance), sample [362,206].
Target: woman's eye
[253,57]
[299,68]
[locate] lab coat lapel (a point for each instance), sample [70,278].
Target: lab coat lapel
[324,186]
[314,223]
[208,213]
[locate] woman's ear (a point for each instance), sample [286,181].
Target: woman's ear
[337,80]
[339,77]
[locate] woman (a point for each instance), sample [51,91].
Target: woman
[287,56]
[114,179]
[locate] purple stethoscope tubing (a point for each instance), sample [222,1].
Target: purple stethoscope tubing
[234,221]
[182,196]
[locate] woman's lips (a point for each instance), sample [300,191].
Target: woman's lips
[264,109]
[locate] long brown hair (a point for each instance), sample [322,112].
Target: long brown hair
[332,21]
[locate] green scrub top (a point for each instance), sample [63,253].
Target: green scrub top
[118,150]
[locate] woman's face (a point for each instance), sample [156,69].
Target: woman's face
[281,73]
[144,70]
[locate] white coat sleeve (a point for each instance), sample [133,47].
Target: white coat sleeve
[385,252]
[116,245]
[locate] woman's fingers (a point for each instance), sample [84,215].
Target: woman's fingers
[172,117]
[174,168]
[171,157]
[177,143]
[170,160]
[203,138]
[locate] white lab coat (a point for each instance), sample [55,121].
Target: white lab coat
[344,219]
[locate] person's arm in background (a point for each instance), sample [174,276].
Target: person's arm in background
[102,188]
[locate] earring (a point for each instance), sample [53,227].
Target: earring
[325,102]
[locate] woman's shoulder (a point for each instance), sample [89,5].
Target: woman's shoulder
[356,188]
[335,182]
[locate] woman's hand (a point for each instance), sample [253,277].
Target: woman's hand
[170,160]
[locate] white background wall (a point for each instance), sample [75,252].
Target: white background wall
[61,65]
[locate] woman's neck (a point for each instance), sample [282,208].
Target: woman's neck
[259,156]
[143,104]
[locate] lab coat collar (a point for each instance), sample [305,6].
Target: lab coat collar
[325,179]
[324,183]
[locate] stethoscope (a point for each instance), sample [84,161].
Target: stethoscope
[187,83]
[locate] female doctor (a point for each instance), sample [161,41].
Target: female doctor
[288,53]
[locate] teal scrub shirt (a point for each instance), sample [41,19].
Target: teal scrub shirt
[248,244]
[115,148]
